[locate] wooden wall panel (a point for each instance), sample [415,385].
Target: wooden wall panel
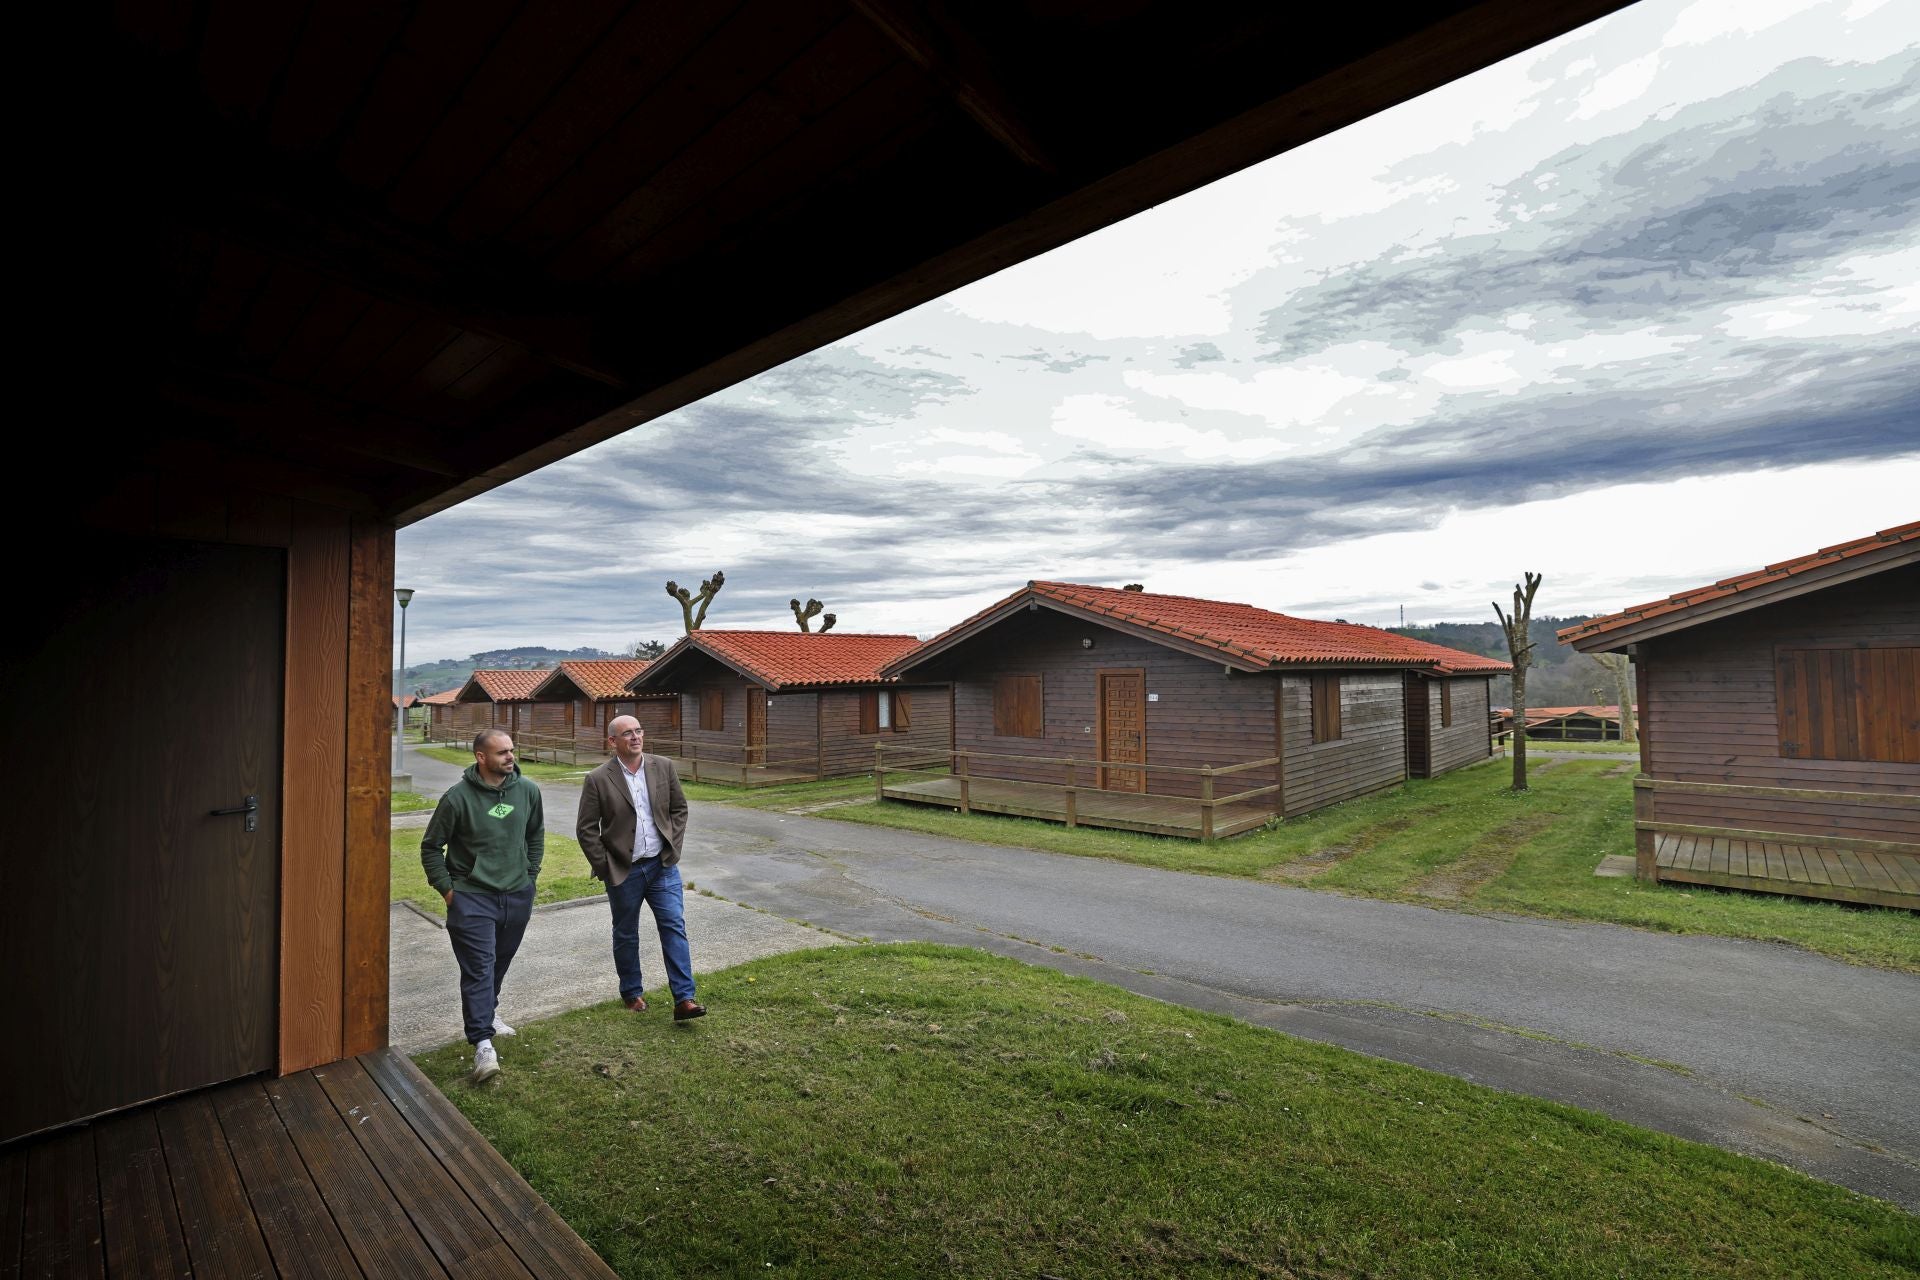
[1422,703]
[1465,741]
[1370,752]
[314,786]
[728,743]
[369,782]
[846,751]
[1709,713]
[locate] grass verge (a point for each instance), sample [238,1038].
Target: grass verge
[1596,748]
[409,802]
[916,1110]
[1463,840]
[796,795]
[564,874]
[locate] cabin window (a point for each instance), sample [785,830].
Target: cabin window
[713,710]
[1848,704]
[884,711]
[1446,704]
[1017,707]
[902,711]
[1326,707]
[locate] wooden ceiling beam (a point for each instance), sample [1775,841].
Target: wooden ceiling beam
[956,62]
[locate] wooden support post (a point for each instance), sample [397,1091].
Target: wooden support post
[879,770]
[960,768]
[1206,802]
[1073,798]
[1644,865]
[693,758]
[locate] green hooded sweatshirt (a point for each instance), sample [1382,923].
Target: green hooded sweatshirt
[485,839]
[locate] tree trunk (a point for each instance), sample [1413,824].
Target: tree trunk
[1520,648]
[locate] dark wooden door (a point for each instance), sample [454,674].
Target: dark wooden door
[1123,728]
[140,932]
[756,724]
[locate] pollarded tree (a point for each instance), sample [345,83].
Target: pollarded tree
[709,588]
[1520,653]
[812,609]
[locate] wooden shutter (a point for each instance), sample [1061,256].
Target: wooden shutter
[1018,711]
[1849,704]
[869,712]
[1446,704]
[1326,708]
[713,710]
[902,711]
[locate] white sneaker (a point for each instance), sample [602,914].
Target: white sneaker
[500,1028]
[486,1063]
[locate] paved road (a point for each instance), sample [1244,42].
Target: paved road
[1772,1051]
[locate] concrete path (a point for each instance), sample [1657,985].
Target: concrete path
[1770,1050]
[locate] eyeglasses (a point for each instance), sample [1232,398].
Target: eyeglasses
[631,733]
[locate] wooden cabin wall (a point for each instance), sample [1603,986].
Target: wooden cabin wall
[1370,752]
[1466,740]
[336,752]
[1710,716]
[1423,704]
[1202,716]
[470,718]
[929,735]
[793,729]
[734,735]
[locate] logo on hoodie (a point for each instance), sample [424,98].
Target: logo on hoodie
[500,811]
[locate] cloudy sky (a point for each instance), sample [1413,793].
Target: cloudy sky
[1637,309]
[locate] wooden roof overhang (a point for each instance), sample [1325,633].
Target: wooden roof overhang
[1234,661]
[386,257]
[560,687]
[1846,562]
[686,653]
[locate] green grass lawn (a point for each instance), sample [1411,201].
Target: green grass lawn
[1597,748]
[409,802]
[564,875]
[1464,840]
[917,1110]
[795,795]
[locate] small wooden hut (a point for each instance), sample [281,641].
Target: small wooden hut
[762,707]
[1780,725]
[495,698]
[576,702]
[440,710]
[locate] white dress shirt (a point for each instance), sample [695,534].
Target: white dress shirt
[646,836]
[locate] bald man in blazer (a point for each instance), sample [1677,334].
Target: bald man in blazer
[633,819]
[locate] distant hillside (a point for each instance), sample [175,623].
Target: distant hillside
[1560,675]
[450,673]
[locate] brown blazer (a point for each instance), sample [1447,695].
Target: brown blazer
[607,823]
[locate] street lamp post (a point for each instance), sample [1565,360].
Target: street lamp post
[405,596]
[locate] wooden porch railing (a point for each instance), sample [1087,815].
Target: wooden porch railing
[799,755]
[960,765]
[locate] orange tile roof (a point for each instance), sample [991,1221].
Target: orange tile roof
[505,685]
[1535,714]
[1255,637]
[444,698]
[598,678]
[1733,586]
[778,659]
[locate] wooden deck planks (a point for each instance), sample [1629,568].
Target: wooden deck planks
[461,1238]
[141,1222]
[293,1217]
[60,1234]
[1125,811]
[1802,870]
[223,1237]
[542,1239]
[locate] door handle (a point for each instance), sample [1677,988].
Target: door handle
[249,810]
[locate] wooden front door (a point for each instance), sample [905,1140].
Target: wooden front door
[1123,728]
[756,724]
[140,931]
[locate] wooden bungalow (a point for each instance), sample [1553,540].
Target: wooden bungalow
[1571,724]
[1449,710]
[440,708]
[576,702]
[1780,725]
[407,254]
[760,707]
[496,698]
[1125,708]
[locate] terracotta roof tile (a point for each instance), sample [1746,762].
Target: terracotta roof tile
[782,658]
[599,678]
[1255,636]
[444,698]
[509,685]
[1741,582]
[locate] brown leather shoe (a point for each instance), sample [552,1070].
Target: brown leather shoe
[637,1005]
[688,1009]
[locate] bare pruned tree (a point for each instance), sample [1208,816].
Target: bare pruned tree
[1620,667]
[812,609]
[709,588]
[1520,653]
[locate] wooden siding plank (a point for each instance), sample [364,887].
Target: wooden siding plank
[459,1234]
[139,1219]
[548,1246]
[371,1221]
[60,1233]
[313,840]
[222,1236]
[367,877]
[293,1217]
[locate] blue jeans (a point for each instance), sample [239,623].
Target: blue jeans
[659,888]
[485,930]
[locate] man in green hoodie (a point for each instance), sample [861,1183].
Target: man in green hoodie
[482,853]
